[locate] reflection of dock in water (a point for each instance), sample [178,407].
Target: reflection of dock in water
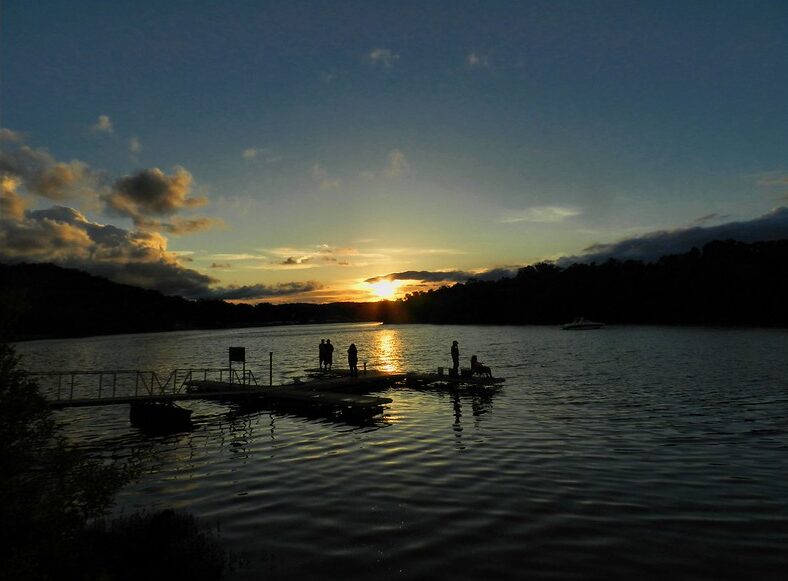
[314,394]
[341,377]
[428,379]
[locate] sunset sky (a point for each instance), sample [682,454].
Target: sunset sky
[309,150]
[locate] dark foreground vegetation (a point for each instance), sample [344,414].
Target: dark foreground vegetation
[51,496]
[724,283]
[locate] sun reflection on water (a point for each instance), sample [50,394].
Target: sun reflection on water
[387,351]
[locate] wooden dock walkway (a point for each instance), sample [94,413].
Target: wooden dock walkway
[334,390]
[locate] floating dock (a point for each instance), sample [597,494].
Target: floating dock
[335,391]
[296,393]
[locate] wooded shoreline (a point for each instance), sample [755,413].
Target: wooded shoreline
[725,283]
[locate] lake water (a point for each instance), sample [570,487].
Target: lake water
[623,453]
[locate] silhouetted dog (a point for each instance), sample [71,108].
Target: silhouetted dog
[482,370]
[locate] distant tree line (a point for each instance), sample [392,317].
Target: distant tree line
[724,283]
[44,300]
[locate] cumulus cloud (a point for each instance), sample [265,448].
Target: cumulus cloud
[66,237]
[446,275]
[9,135]
[145,197]
[648,247]
[150,193]
[43,175]
[397,165]
[382,56]
[102,125]
[12,205]
[541,214]
[43,240]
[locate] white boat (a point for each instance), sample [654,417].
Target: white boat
[581,324]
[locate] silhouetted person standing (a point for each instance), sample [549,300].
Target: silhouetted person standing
[352,359]
[329,357]
[455,357]
[322,353]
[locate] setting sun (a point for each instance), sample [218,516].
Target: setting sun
[385,289]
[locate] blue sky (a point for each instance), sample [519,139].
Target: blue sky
[366,138]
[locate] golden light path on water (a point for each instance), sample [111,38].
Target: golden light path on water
[387,350]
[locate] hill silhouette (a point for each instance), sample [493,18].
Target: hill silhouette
[724,283]
[44,300]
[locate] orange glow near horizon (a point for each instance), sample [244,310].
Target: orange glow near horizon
[385,289]
[357,291]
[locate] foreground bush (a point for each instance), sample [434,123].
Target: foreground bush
[162,545]
[50,491]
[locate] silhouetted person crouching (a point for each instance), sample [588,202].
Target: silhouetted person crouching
[478,368]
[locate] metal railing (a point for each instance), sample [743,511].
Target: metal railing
[78,384]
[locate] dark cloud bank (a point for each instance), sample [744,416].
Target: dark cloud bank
[649,247]
[446,275]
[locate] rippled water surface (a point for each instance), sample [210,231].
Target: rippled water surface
[621,453]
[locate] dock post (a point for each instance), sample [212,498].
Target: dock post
[365,368]
[270,369]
